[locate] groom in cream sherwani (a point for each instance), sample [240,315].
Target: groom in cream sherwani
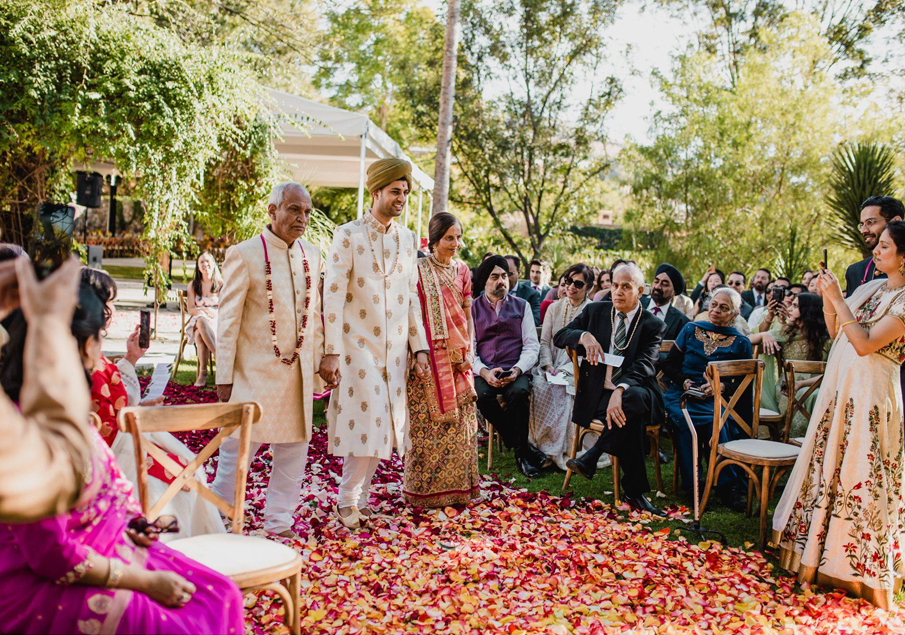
[372,321]
[260,362]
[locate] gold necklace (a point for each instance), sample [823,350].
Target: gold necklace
[374,253]
[567,313]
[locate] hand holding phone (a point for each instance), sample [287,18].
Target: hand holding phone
[778,294]
[826,262]
[504,374]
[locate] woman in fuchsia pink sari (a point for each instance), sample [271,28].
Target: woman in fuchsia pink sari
[88,571]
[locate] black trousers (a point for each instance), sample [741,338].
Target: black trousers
[512,423]
[627,443]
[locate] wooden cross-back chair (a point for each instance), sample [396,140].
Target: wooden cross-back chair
[797,404]
[747,454]
[771,419]
[184,317]
[253,563]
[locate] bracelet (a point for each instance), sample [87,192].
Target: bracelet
[844,324]
[827,312]
[114,573]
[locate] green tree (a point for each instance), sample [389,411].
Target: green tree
[734,27]
[529,138]
[371,55]
[859,171]
[734,167]
[86,81]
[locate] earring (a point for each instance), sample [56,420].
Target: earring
[902,268]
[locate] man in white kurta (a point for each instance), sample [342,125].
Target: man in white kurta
[372,320]
[278,374]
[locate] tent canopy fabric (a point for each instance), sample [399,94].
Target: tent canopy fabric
[323,145]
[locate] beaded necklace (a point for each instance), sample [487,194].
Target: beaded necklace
[567,312]
[613,327]
[374,253]
[273,319]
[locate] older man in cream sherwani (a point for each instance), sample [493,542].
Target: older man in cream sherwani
[270,341]
[372,319]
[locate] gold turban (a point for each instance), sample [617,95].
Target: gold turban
[384,171]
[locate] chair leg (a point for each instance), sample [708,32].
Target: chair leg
[750,508]
[675,469]
[576,440]
[617,499]
[655,450]
[293,616]
[764,501]
[490,435]
[179,355]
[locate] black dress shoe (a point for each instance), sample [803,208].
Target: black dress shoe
[641,504]
[583,466]
[537,458]
[526,468]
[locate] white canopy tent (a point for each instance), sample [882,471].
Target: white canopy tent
[331,147]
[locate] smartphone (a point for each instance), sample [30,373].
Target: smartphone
[144,329]
[826,262]
[504,374]
[51,240]
[779,294]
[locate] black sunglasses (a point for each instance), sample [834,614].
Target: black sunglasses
[578,284]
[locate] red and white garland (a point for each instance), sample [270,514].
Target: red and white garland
[273,318]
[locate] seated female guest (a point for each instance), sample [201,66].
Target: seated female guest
[441,466]
[604,282]
[801,335]
[704,289]
[841,519]
[96,570]
[203,302]
[114,386]
[698,344]
[550,428]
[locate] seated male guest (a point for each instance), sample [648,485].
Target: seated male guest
[506,348]
[537,278]
[623,394]
[668,282]
[737,281]
[756,296]
[523,290]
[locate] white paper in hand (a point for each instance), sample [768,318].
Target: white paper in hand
[159,381]
[557,380]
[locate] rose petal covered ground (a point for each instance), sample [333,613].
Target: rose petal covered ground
[519,562]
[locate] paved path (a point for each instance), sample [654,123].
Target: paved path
[131,299]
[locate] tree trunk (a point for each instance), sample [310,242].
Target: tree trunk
[447,100]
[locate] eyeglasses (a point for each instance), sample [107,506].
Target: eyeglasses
[870,222]
[578,284]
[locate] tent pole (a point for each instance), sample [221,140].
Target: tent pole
[361,171]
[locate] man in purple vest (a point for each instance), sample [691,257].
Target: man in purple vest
[506,348]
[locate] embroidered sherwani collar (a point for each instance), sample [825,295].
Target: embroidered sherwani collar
[376,225]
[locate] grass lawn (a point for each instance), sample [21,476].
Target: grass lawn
[737,529]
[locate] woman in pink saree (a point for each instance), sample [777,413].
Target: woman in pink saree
[441,462]
[87,571]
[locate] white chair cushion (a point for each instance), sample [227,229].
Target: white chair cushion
[766,412]
[232,554]
[761,449]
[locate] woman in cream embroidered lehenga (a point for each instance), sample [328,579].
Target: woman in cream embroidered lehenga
[841,519]
[441,463]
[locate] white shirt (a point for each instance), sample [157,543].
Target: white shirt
[628,325]
[661,314]
[530,344]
